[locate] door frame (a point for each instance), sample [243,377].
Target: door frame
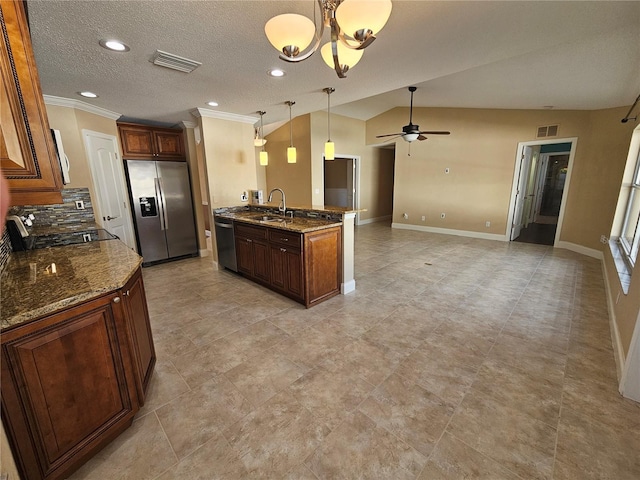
[356,179]
[514,185]
[98,207]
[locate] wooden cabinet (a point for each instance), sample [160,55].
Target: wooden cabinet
[305,267]
[139,329]
[142,142]
[252,252]
[72,381]
[287,272]
[27,153]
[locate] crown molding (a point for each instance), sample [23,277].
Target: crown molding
[187,124]
[205,112]
[77,104]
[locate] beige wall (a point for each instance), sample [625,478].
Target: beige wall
[71,122]
[230,160]
[480,153]
[293,178]
[376,184]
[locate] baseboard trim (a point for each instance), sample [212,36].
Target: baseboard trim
[448,231]
[574,247]
[385,218]
[204,252]
[348,287]
[618,351]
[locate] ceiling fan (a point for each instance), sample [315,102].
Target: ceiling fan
[412,132]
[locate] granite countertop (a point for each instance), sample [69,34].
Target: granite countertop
[297,224]
[31,288]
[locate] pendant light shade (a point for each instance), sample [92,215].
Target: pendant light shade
[329,146]
[329,151]
[264,158]
[290,33]
[362,18]
[347,57]
[291,151]
[291,155]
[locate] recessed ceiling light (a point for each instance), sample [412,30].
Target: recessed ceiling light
[212,104]
[114,45]
[88,94]
[276,72]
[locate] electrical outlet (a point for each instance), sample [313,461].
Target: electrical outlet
[405,215]
[603,239]
[487,224]
[79,205]
[424,218]
[86,237]
[244,197]
[442,215]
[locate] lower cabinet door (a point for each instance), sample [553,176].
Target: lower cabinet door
[244,255]
[67,389]
[139,333]
[287,271]
[261,268]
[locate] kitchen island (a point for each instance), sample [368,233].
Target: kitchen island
[77,352]
[297,256]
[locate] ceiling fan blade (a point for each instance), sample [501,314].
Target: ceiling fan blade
[421,137]
[391,139]
[388,135]
[439,132]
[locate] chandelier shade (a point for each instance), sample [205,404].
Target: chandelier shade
[346,56]
[362,18]
[264,158]
[290,33]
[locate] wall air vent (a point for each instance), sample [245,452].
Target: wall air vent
[547,131]
[175,62]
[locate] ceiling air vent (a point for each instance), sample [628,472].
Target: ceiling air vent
[547,131]
[175,62]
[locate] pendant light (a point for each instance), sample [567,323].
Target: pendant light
[264,155]
[329,146]
[291,151]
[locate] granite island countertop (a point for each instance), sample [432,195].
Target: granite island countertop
[32,287]
[297,224]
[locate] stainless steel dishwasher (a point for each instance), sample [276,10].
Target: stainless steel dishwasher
[225,240]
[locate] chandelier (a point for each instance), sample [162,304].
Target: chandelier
[353,25]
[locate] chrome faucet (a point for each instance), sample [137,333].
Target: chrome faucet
[282,207]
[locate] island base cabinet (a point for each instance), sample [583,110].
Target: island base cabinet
[323,260]
[140,336]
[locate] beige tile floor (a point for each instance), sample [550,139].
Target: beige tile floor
[455,358]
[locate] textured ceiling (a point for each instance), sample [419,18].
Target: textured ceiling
[483,54]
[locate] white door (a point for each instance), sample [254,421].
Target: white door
[523,176]
[112,209]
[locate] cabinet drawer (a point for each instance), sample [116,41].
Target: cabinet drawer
[250,231]
[282,237]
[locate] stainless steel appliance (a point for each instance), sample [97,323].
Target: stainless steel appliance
[160,193]
[225,241]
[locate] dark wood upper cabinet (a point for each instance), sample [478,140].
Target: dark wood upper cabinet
[27,153]
[143,142]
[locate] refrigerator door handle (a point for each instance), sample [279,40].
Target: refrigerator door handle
[160,200]
[164,204]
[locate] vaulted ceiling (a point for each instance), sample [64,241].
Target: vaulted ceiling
[482,54]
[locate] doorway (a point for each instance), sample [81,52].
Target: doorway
[341,182]
[541,178]
[112,205]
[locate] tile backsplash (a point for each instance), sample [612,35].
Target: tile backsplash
[60,215]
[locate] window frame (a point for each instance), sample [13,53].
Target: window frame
[630,249]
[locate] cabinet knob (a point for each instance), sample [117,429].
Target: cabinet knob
[249,240]
[284,239]
[283,249]
[116,300]
[127,293]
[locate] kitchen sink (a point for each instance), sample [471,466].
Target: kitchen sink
[268,218]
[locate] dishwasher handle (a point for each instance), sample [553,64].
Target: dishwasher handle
[223,225]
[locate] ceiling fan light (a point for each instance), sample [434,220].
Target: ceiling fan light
[329,151]
[362,15]
[410,137]
[346,56]
[264,158]
[291,155]
[290,33]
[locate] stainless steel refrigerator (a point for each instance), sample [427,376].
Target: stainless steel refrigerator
[160,193]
